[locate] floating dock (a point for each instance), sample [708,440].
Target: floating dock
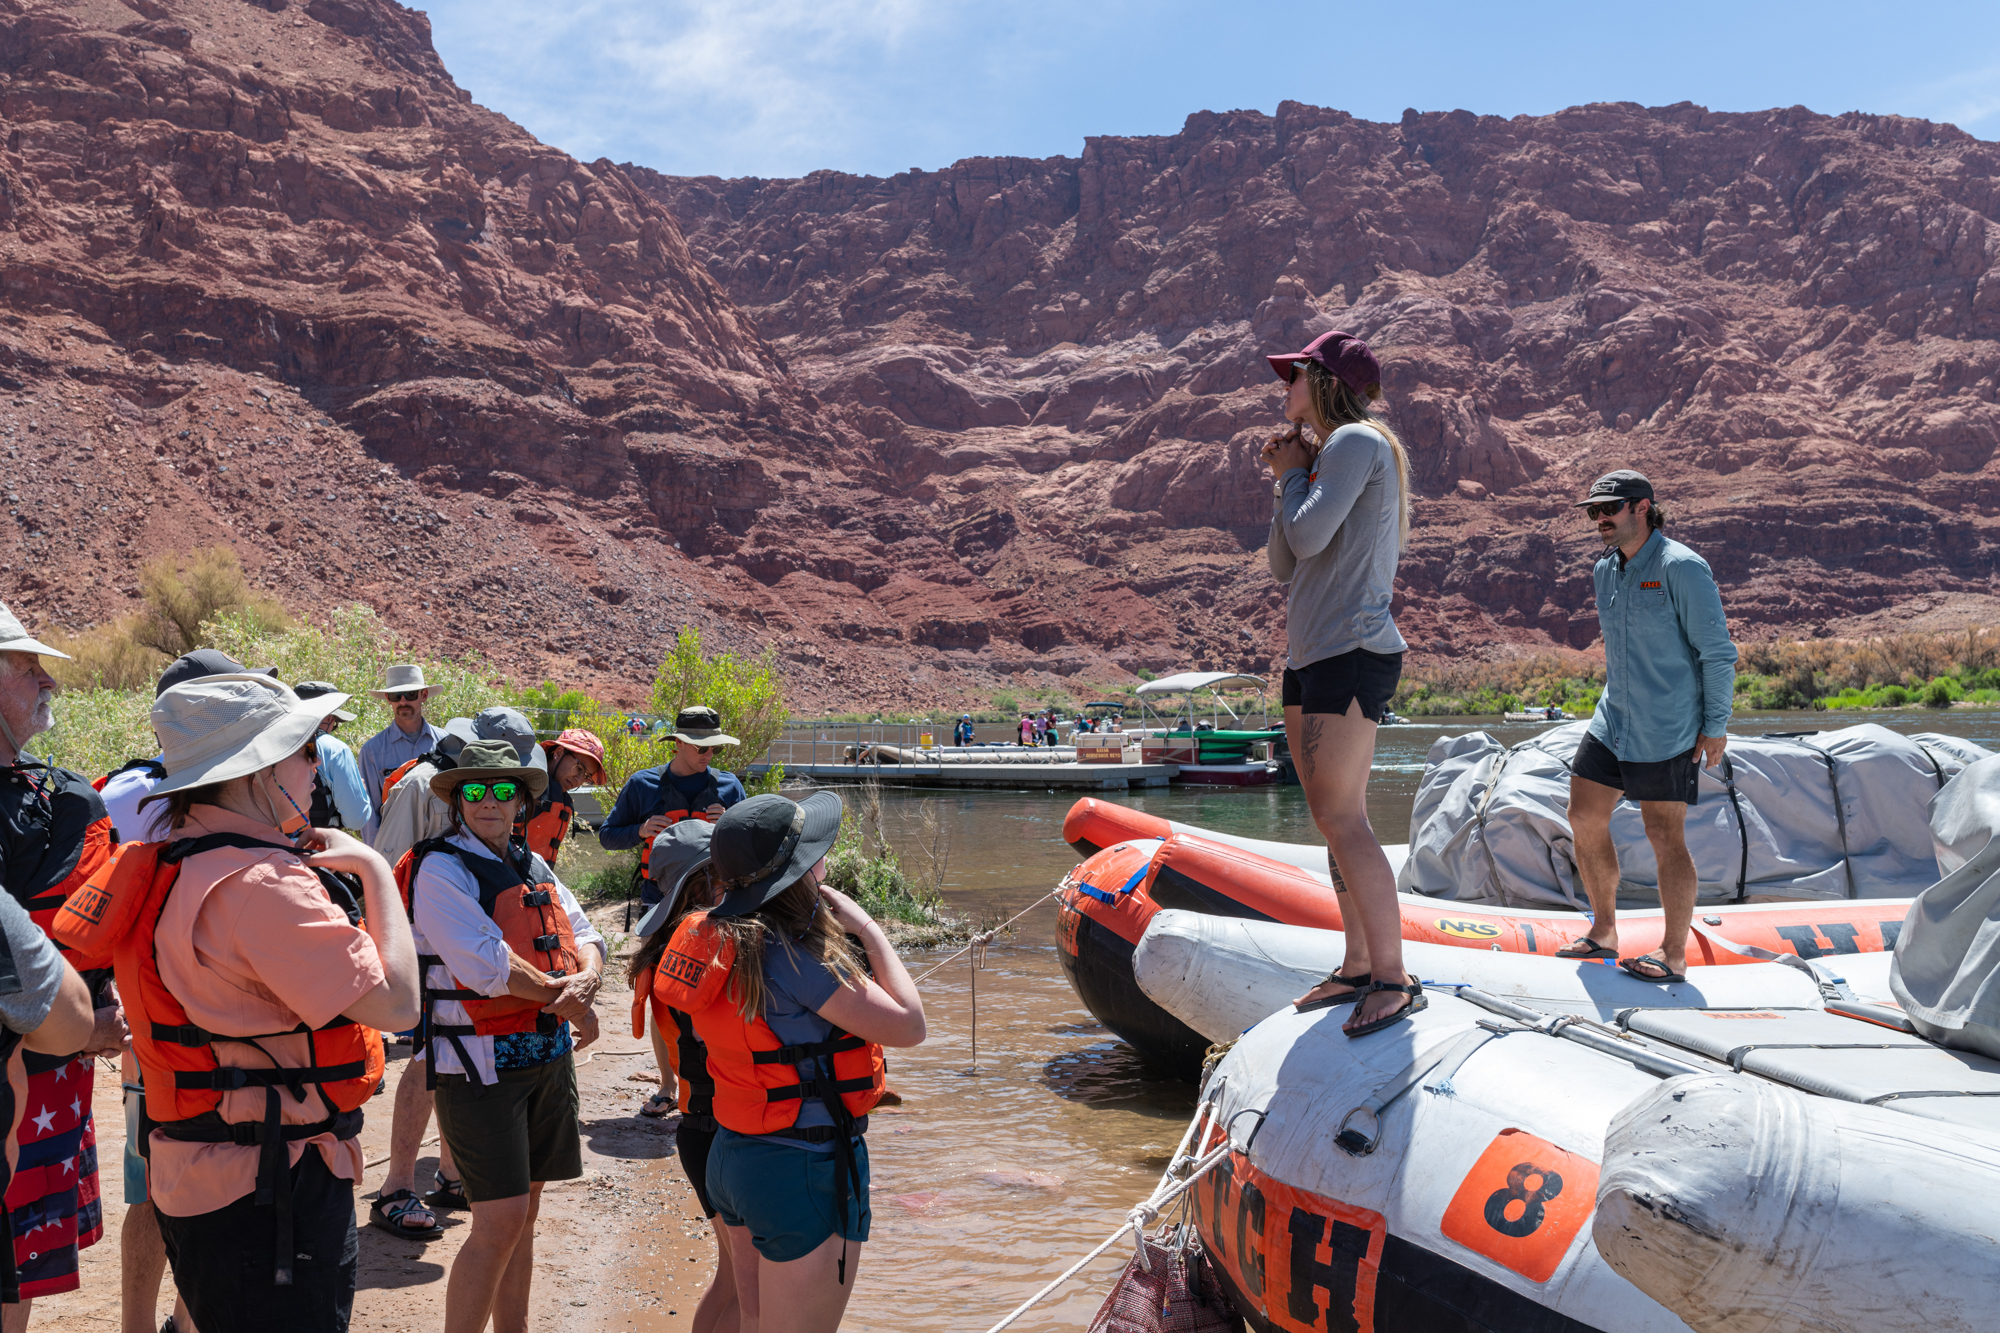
[1018,776]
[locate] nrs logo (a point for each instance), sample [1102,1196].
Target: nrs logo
[1468,930]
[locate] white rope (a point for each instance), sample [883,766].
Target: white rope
[1136,1222]
[986,937]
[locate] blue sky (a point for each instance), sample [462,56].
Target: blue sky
[783,87]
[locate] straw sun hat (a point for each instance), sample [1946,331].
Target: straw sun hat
[222,727]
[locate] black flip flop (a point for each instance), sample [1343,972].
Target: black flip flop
[1593,951]
[1415,1005]
[1329,1001]
[388,1212]
[1630,966]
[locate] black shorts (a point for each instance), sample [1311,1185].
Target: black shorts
[508,1135]
[223,1260]
[1667,780]
[693,1141]
[1332,683]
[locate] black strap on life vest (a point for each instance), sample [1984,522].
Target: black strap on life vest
[694,1066]
[815,1065]
[269,1135]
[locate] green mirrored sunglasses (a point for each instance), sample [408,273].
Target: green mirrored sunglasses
[475,792]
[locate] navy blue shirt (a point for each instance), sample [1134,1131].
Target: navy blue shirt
[646,793]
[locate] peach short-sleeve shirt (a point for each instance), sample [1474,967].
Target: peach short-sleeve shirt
[250,943]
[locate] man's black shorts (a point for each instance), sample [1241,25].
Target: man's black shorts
[1332,683]
[1667,780]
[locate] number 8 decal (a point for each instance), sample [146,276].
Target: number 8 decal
[1522,1203]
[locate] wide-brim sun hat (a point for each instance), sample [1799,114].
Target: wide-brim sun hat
[401,679]
[678,853]
[498,723]
[488,761]
[701,726]
[760,846]
[14,638]
[1345,355]
[222,727]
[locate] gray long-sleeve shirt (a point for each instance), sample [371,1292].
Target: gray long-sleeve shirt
[1335,538]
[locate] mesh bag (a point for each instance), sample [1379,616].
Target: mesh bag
[1179,1295]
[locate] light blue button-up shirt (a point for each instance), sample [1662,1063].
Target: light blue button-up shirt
[1669,666]
[343,778]
[385,752]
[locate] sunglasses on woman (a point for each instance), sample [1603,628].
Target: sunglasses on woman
[475,792]
[1606,510]
[1293,373]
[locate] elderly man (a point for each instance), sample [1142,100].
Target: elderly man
[411,813]
[54,834]
[408,735]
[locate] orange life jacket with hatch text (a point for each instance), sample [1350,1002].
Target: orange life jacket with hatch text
[115,915]
[760,1081]
[520,894]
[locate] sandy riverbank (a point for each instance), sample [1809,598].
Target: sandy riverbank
[623,1247]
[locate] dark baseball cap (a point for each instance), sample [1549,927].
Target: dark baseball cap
[205,662]
[762,845]
[313,689]
[1624,484]
[1342,353]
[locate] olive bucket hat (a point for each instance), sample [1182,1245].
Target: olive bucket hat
[762,845]
[488,761]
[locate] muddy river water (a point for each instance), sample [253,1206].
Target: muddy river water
[991,1178]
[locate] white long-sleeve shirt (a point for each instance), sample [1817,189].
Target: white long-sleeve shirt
[451,925]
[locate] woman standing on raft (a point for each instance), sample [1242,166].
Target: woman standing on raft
[1342,516]
[794,1029]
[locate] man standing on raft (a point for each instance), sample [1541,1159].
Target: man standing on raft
[1669,682]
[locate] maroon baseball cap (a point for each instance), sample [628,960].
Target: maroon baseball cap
[1342,353]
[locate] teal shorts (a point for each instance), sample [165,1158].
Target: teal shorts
[784,1195]
[135,1165]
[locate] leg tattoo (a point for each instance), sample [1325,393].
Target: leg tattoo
[1314,725]
[1333,870]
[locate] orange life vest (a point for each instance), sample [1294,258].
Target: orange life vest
[116,914]
[760,1082]
[550,825]
[520,894]
[397,775]
[685,1052]
[678,807]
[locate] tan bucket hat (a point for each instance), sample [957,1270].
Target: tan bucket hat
[401,678]
[488,761]
[222,727]
[14,637]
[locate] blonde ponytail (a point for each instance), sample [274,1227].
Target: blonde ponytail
[1333,403]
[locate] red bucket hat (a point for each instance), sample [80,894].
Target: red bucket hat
[1343,354]
[582,742]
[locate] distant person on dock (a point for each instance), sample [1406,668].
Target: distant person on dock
[769,968]
[408,736]
[962,733]
[680,863]
[575,759]
[1027,730]
[683,788]
[1669,684]
[1341,517]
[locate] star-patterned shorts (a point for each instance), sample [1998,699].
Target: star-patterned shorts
[52,1200]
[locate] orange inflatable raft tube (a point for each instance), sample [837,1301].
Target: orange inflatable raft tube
[1192,873]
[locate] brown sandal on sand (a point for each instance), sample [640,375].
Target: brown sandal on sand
[658,1107]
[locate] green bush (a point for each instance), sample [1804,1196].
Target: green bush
[1983,696]
[1891,696]
[1007,704]
[879,884]
[611,882]
[750,695]
[1941,692]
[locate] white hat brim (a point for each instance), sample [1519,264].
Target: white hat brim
[287,736]
[25,645]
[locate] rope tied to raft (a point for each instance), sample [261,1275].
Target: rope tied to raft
[979,942]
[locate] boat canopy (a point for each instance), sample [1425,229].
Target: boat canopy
[1188,681]
[1101,703]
